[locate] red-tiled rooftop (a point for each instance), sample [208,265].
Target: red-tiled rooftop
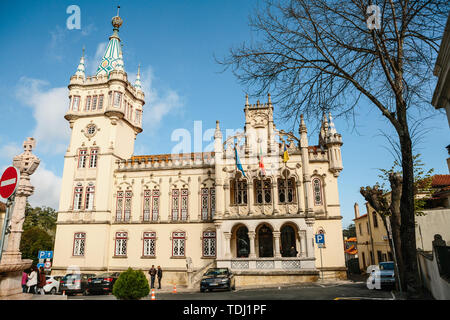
[441,180]
[360,217]
[167,157]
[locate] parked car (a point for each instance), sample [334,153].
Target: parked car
[385,275]
[103,283]
[52,285]
[217,278]
[75,283]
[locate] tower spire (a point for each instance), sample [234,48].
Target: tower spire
[81,70]
[137,83]
[112,59]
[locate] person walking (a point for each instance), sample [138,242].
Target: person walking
[41,281]
[159,276]
[152,273]
[32,281]
[24,282]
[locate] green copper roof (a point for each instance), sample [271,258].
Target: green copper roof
[112,59]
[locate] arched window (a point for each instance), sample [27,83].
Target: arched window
[242,242]
[317,191]
[263,191]
[238,189]
[286,190]
[288,243]
[265,242]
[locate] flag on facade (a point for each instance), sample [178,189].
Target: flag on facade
[238,162]
[261,164]
[285,154]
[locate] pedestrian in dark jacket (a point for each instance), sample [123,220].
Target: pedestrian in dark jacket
[159,276]
[41,281]
[152,273]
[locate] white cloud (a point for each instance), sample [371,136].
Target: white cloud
[9,150]
[47,188]
[158,104]
[49,106]
[92,64]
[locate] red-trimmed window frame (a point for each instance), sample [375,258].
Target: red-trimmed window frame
[94,102]
[90,190]
[128,196]
[175,194]
[117,204]
[72,102]
[184,195]
[179,237]
[120,237]
[114,99]
[80,192]
[316,203]
[87,106]
[93,153]
[75,239]
[101,98]
[203,243]
[147,196]
[155,195]
[149,236]
[85,155]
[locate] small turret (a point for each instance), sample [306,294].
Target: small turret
[334,143]
[81,69]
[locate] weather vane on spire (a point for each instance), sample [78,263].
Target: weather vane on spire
[117,20]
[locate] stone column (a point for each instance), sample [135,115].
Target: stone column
[276,235]
[227,244]
[302,236]
[226,188]
[251,201]
[275,196]
[251,236]
[309,238]
[298,184]
[12,265]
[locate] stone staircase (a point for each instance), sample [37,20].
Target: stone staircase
[197,275]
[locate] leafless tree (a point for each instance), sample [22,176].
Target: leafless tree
[316,56]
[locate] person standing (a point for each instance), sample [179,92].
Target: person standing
[32,281]
[159,276]
[41,281]
[152,273]
[24,282]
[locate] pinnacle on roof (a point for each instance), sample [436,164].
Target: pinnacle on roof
[80,70]
[137,82]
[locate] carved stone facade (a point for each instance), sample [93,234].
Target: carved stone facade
[164,209]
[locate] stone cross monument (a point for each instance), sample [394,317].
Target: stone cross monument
[12,265]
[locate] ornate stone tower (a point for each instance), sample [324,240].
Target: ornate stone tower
[105,115]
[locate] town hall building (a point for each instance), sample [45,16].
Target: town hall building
[188,212]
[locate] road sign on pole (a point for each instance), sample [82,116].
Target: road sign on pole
[45,254]
[9,182]
[320,241]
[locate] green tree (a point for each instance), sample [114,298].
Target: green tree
[43,217]
[131,285]
[350,231]
[33,240]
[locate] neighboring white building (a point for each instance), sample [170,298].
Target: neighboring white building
[192,211]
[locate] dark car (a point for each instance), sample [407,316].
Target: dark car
[103,283]
[75,283]
[217,278]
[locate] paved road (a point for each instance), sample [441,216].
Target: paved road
[313,291]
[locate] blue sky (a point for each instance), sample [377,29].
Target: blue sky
[175,43]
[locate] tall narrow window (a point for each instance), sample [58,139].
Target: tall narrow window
[149,249]
[93,158]
[78,198]
[94,102]
[147,205]
[88,104]
[317,191]
[110,99]
[184,204]
[100,102]
[286,190]
[117,99]
[209,244]
[79,243]
[175,203]
[375,220]
[263,191]
[178,244]
[155,205]
[119,205]
[205,203]
[238,191]
[213,202]
[208,203]
[82,158]
[90,191]
[137,119]
[121,244]
[76,103]
[127,207]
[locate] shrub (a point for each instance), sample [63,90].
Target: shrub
[131,285]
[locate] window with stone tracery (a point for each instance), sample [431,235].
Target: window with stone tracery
[208,203]
[121,244]
[100,102]
[175,203]
[88,104]
[263,191]
[93,158]
[151,205]
[82,158]
[119,205]
[79,243]
[76,103]
[317,191]
[90,191]
[78,198]
[238,189]
[117,99]
[286,190]
[209,244]
[178,244]
[94,102]
[184,204]
[149,249]
[127,206]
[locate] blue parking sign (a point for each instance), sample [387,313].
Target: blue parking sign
[40,265]
[45,254]
[320,238]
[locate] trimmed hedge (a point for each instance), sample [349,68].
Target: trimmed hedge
[131,285]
